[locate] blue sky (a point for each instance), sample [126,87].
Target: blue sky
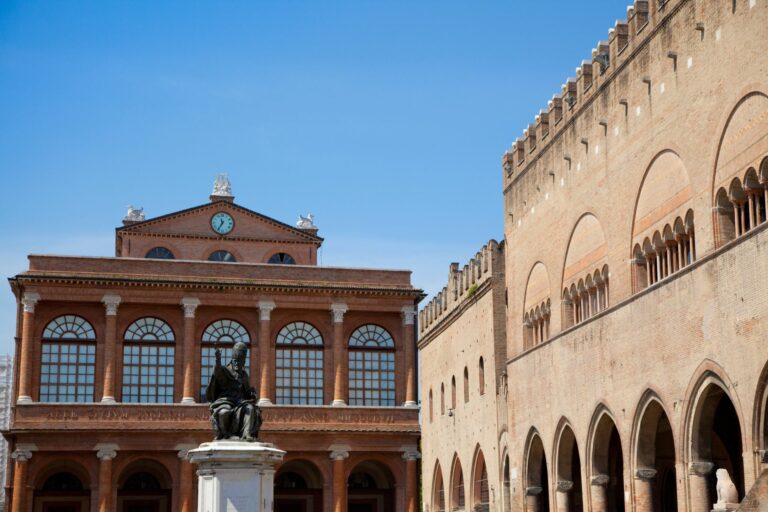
[387,120]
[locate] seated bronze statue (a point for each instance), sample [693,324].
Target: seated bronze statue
[234,413]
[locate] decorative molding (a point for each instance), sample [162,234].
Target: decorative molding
[409,315]
[111,303]
[106,454]
[701,468]
[21,455]
[190,304]
[337,312]
[645,474]
[533,490]
[564,486]
[30,300]
[600,480]
[411,453]
[265,309]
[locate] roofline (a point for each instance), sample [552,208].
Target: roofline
[235,205]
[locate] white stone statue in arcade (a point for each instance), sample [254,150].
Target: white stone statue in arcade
[727,494]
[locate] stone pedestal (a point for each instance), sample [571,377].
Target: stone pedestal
[235,476]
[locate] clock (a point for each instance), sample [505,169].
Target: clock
[222,223]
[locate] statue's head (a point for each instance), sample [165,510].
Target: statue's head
[239,352]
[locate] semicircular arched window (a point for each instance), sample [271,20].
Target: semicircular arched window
[371,367]
[148,362]
[160,253]
[282,258]
[299,365]
[221,334]
[68,360]
[225,256]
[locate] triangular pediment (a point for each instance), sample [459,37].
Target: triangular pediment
[196,222]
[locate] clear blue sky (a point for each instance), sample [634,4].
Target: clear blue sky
[387,120]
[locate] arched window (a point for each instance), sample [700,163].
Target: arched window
[160,253]
[442,399]
[371,367]
[481,376]
[431,407]
[453,393]
[225,256]
[68,360]
[282,258]
[220,332]
[148,359]
[299,376]
[587,298]
[466,385]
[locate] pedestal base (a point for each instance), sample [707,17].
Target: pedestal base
[235,476]
[724,507]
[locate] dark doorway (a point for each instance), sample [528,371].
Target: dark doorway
[62,492]
[298,487]
[143,492]
[370,488]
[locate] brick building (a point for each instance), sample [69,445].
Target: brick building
[113,355]
[635,274]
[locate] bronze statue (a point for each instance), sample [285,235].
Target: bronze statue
[234,413]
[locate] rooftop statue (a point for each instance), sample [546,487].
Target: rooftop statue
[234,413]
[307,222]
[134,214]
[221,185]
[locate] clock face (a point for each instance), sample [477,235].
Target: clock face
[222,223]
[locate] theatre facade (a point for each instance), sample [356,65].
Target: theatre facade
[113,355]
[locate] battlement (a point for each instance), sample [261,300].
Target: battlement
[462,284]
[607,60]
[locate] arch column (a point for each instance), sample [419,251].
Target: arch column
[106,453]
[599,494]
[532,500]
[409,318]
[340,381]
[266,353]
[189,304]
[563,491]
[698,472]
[29,300]
[644,489]
[21,457]
[339,458]
[187,482]
[411,457]
[111,303]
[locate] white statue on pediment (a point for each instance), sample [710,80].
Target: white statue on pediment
[307,222]
[221,185]
[134,214]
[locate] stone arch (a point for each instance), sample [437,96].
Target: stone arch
[438,489]
[654,455]
[457,491]
[568,487]
[586,251]
[63,466]
[371,480]
[480,496]
[298,482]
[536,313]
[536,474]
[606,462]
[745,128]
[760,416]
[506,484]
[144,481]
[713,435]
[64,482]
[665,192]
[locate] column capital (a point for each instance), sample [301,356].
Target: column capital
[190,304]
[645,474]
[339,455]
[411,454]
[30,300]
[533,490]
[106,451]
[564,485]
[409,315]
[600,480]
[183,450]
[265,309]
[701,468]
[21,455]
[337,312]
[111,303]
